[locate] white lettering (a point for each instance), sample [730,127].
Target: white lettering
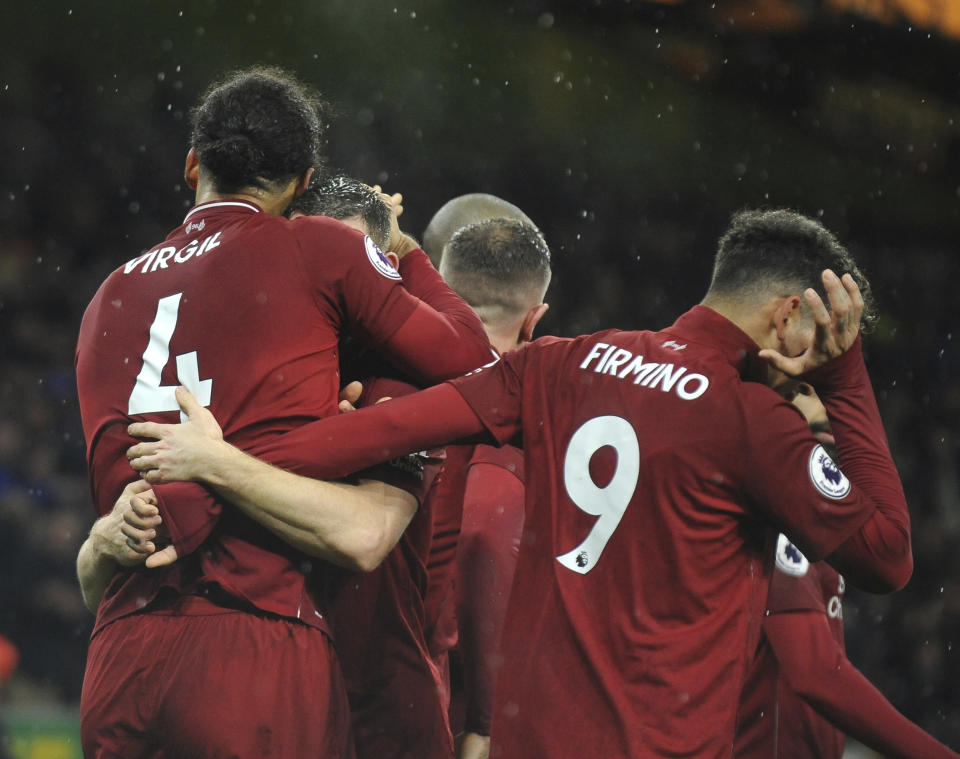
[608,359]
[665,379]
[616,361]
[163,255]
[835,608]
[209,244]
[133,264]
[639,368]
[594,352]
[185,252]
[160,258]
[688,395]
[603,361]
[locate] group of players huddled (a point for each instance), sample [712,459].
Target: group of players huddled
[626,544]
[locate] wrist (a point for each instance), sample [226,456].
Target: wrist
[222,461]
[405,244]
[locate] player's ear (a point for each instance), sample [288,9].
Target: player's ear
[191,171]
[787,314]
[394,259]
[303,183]
[534,315]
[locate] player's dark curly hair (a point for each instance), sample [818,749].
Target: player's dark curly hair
[342,197]
[784,250]
[258,127]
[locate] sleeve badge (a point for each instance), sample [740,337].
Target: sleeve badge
[379,261]
[826,475]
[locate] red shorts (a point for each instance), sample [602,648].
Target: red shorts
[198,680]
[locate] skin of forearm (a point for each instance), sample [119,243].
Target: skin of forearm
[353,526]
[95,568]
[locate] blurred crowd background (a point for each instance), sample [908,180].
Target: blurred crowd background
[629,131]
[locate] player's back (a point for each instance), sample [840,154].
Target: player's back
[630,615]
[233,305]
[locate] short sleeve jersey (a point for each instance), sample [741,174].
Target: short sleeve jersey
[650,464]
[774,720]
[245,309]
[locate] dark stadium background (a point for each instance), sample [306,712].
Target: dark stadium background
[629,131]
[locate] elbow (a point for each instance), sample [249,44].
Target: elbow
[368,548]
[890,577]
[897,575]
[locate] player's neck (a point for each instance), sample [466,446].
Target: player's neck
[756,322]
[272,203]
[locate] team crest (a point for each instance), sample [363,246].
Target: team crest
[826,475]
[789,559]
[379,261]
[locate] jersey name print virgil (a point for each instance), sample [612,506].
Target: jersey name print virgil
[246,310]
[650,463]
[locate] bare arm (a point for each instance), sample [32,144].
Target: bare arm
[107,548]
[353,526]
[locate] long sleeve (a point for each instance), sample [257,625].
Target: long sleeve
[443,337]
[486,558]
[856,514]
[844,387]
[817,670]
[331,449]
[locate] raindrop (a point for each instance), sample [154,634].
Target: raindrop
[545,20]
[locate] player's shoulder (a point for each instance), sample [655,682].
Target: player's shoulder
[323,229]
[335,243]
[796,584]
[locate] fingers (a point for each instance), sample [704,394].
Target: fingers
[789,366]
[352,392]
[162,558]
[188,404]
[815,303]
[856,298]
[134,488]
[146,511]
[148,429]
[144,465]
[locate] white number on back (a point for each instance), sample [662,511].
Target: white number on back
[148,394]
[610,502]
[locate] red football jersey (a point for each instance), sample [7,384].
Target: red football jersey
[652,470]
[774,721]
[486,558]
[802,694]
[640,582]
[246,310]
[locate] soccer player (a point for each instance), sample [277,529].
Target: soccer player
[801,694]
[462,211]
[501,267]
[246,309]
[654,464]
[377,617]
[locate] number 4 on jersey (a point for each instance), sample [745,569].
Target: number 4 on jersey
[148,395]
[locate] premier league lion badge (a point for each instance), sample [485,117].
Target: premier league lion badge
[789,558]
[826,475]
[379,261]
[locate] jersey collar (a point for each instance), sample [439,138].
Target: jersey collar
[704,325]
[219,206]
